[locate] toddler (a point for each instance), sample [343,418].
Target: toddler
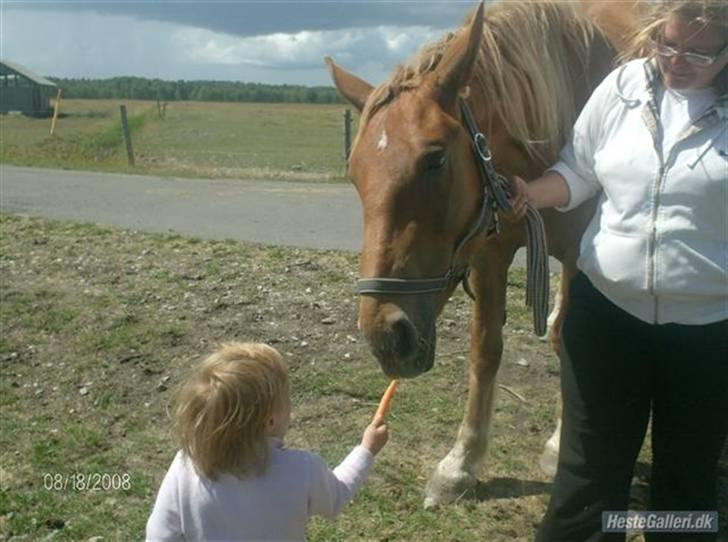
[232,478]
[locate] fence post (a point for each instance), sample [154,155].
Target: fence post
[56,106]
[347,133]
[127,136]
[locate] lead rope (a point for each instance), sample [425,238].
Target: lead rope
[498,187]
[537,270]
[537,263]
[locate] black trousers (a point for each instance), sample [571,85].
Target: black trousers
[616,371]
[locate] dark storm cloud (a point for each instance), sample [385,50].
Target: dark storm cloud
[268,42]
[244,18]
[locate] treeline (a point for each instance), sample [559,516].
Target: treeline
[139,88]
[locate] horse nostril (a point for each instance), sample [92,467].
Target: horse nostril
[405,338]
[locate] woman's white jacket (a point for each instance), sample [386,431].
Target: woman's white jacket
[657,245]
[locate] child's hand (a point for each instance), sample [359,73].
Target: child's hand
[375,435]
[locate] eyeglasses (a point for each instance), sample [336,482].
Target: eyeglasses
[696,59]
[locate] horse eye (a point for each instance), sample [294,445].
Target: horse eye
[435,160]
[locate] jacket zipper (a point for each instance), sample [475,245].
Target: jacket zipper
[652,267]
[653,231]
[657,141]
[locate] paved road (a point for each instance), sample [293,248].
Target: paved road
[306,215]
[271,212]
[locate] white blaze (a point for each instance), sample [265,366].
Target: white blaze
[382,141]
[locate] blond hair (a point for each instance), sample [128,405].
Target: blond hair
[705,12]
[221,411]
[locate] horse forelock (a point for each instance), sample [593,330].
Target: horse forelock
[523,74]
[406,77]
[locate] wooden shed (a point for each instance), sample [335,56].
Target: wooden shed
[24,91]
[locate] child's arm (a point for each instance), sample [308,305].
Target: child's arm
[331,490]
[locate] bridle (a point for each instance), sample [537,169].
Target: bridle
[493,197]
[494,188]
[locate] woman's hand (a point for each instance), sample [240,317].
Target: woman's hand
[519,199]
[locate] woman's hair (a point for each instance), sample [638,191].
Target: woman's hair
[221,411]
[706,12]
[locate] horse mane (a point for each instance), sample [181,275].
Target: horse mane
[525,70]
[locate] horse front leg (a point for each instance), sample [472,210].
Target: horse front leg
[456,475]
[550,455]
[553,323]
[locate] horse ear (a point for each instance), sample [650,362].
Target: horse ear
[355,90]
[455,69]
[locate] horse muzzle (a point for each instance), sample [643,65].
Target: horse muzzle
[403,348]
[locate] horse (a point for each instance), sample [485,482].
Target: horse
[525,68]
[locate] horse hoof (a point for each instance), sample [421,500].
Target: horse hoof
[431,503]
[447,486]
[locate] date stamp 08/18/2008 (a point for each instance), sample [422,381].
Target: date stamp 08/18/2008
[86,481]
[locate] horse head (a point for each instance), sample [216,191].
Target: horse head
[413,168]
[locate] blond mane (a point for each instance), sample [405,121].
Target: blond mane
[530,54]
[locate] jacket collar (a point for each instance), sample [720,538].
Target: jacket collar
[719,110]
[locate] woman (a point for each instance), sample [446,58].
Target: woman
[646,331]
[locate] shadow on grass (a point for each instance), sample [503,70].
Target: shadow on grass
[502,488]
[506,488]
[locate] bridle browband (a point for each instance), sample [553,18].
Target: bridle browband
[494,188]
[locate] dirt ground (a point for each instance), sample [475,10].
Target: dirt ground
[99,326]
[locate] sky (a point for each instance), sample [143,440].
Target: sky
[271,41]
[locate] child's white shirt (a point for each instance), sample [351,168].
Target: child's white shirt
[273,506]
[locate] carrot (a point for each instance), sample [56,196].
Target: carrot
[386,399]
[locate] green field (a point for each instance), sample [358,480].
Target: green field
[194,139]
[99,326]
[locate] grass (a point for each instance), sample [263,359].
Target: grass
[212,140]
[88,137]
[100,325]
